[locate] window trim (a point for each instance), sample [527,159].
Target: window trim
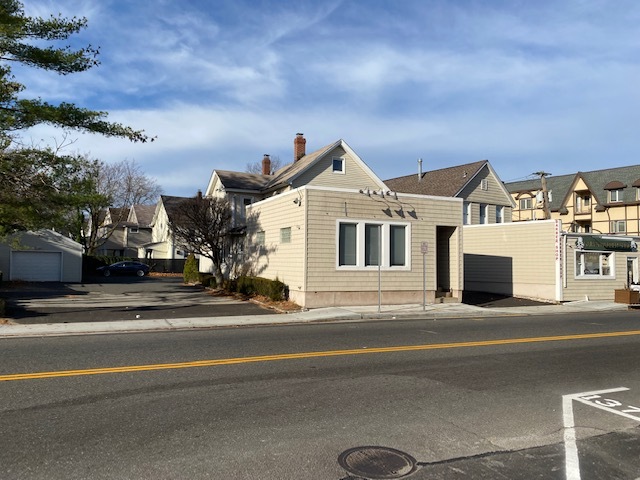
[580,275]
[618,195]
[500,213]
[342,169]
[385,245]
[613,226]
[528,200]
[284,238]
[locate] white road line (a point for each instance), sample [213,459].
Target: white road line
[572,460]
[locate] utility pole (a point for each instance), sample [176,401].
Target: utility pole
[545,194]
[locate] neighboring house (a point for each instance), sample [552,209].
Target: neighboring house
[126,229]
[332,231]
[137,228]
[602,201]
[162,244]
[112,232]
[541,260]
[41,256]
[485,198]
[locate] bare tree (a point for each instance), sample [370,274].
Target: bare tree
[203,225]
[118,186]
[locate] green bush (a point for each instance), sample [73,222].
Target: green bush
[190,272]
[208,280]
[274,289]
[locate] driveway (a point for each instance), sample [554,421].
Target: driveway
[118,298]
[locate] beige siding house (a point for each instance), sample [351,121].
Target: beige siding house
[539,260]
[335,234]
[601,201]
[486,200]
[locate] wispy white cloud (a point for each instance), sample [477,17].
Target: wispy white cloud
[520,83]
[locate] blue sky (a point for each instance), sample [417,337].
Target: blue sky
[528,85]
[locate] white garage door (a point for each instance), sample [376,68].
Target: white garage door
[36,266]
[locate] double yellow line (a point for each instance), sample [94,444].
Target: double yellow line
[305,355]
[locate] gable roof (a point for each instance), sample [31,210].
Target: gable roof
[598,182]
[141,215]
[240,181]
[445,182]
[171,205]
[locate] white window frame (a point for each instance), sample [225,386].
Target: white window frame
[618,195]
[525,200]
[499,213]
[484,216]
[385,245]
[606,262]
[484,184]
[134,230]
[466,213]
[338,161]
[285,235]
[618,226]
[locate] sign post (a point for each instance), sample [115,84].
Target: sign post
[424,248]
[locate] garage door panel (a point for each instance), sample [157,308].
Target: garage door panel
[36,266]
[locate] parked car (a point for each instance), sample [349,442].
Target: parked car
[125,268]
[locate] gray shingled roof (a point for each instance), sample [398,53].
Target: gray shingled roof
[261,183]
[445,182]
[171,204]
[144,214]
[242,180]
[560,186]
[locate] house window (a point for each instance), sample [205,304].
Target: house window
[133,230]
[615,195]
[594,264]
[484,184]
[499,214]
[372,241]
[347,244]
[260,238]
[285,235]
[397,245]
[583,203]
[338,165]
[525,203]
[483,214]
[466,213]
[618,226]
[364,245]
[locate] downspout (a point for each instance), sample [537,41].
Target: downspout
[305,226]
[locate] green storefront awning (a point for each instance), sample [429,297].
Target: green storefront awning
[608,244]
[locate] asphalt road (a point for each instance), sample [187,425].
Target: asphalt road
[118,298]
[493,398]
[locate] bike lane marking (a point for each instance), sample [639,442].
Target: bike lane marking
[592,399]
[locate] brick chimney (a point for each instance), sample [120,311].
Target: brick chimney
[266,165]
[299,147]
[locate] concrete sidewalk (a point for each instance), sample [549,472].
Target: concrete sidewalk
[435,311]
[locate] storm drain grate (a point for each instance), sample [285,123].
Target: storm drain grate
[377,463]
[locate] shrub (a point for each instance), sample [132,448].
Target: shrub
[273,289]
[208,280]
[190,272]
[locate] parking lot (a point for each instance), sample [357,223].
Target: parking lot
[118,298]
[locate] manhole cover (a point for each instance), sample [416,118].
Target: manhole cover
[377,462]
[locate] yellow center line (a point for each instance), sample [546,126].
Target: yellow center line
[304,355]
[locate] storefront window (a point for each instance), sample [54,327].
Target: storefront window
[594,264]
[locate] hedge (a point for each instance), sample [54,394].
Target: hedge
[273,289]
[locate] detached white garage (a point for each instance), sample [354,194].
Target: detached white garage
[42,256]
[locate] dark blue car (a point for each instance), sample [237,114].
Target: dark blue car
[125,268]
